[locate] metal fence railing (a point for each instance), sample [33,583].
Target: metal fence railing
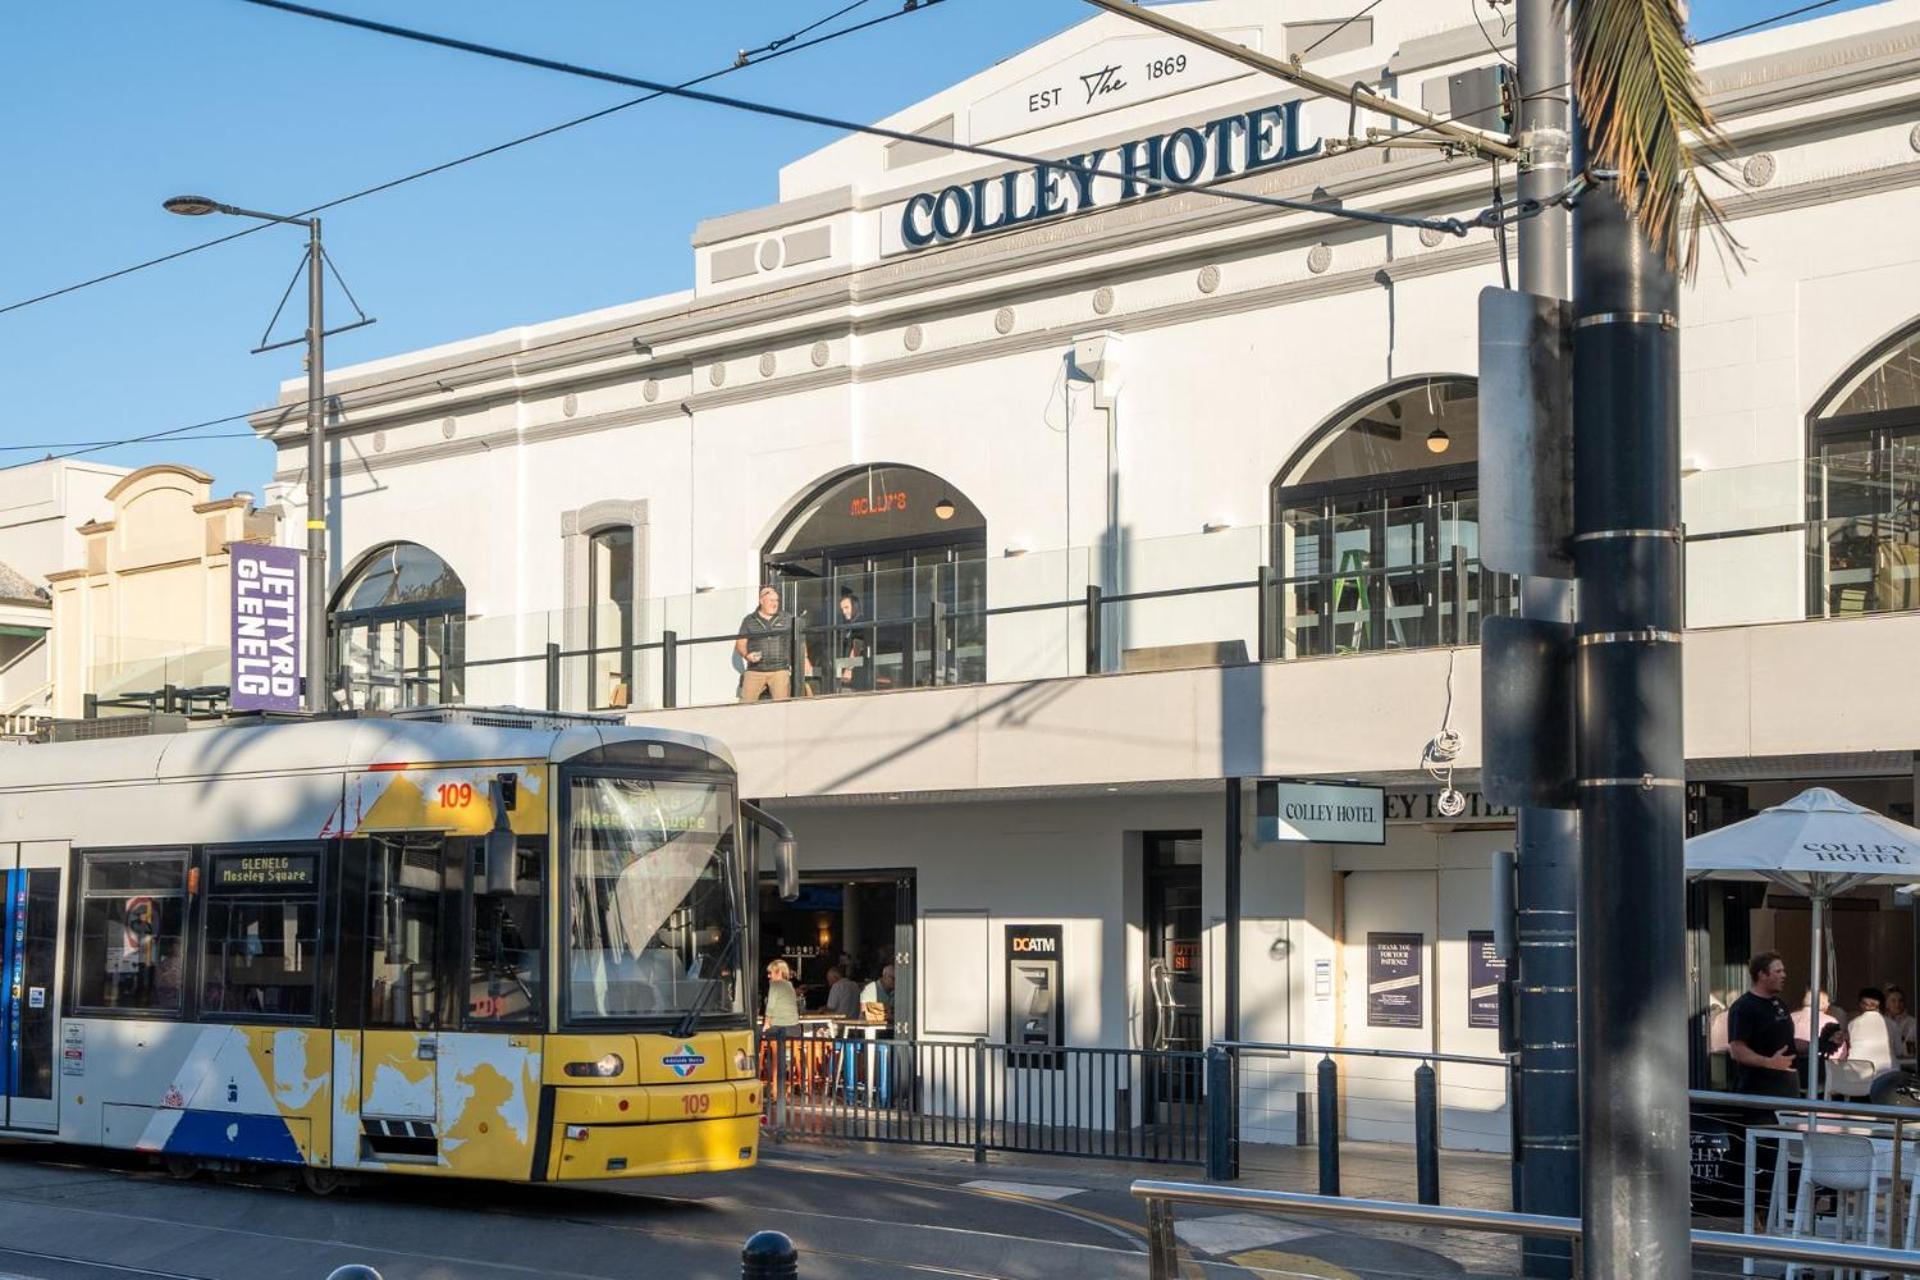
[1712,1250]
[1165,1107]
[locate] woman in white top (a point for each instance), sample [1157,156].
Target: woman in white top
[1900,1024]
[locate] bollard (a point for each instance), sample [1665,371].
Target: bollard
[1329,1128]
[1219,1115]
[353,1271]
[1426,1133]
[768,1255]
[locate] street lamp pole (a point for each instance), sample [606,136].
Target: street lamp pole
[319,677]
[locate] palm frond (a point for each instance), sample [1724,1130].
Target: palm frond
[1640,101]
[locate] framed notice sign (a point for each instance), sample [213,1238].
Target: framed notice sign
[1396,979]
[1320,813]
[1486,970]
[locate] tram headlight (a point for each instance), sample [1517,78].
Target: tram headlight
[611,1065]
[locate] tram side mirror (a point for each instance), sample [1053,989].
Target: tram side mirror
[498,847]
[786,867]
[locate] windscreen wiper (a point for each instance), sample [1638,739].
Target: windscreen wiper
[685,1026]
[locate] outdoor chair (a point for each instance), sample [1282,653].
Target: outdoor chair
[1846,1166]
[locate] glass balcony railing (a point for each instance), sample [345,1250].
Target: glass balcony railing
[1765,544]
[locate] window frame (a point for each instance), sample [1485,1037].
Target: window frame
[322,952]
[83,860]
[599,593]
[536,1018]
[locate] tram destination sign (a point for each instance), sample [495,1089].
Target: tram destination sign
[1320,813]
[266,628]
[264,871]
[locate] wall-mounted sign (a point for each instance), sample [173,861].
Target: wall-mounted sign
[266,628]
[1320,813]
[1035,1009]
[1119,72]
[1396,979]
[1486,970]
[1103,176]
[1424,806]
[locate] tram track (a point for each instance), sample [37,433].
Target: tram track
[42,1197]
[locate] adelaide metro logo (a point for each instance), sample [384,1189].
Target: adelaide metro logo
[685,1062]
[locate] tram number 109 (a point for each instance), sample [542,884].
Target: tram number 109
[696,1104]
[455,795]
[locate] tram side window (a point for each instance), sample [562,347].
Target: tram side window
[405,903]
[132,918]
[262,934]
[503,985]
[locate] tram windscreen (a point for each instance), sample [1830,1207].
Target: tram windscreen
[654,898]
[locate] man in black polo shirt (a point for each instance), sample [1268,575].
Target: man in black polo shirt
[766,646]
[1760,1033]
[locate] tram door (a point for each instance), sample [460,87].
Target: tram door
[30,995]
[413,910]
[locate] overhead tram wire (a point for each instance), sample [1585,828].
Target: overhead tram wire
[1342,27]
[296,406]
[1451,226]
[1763,22]
[776,49]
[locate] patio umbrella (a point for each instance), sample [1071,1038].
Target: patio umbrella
[1819,844]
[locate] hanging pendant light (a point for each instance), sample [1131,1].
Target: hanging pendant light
[944,509]
[1438,441]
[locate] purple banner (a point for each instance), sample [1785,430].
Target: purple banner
[266,628]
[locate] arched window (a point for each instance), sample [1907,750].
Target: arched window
[398,628]
[887,567]
[1863,486]
[1376,526]
[610,614]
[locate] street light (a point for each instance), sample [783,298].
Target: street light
[318,680]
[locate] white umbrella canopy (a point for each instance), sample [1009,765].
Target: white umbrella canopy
[1819,844]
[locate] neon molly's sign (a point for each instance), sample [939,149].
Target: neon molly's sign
[1241,143]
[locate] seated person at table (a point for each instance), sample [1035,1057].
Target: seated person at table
[843,994]
[880,992]
[1899,1021]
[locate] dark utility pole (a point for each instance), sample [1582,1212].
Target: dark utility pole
[319,679]
[1629,760]
[1548,840]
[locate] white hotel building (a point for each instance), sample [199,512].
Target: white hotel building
[1237,440]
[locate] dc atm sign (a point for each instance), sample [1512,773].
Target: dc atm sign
[1320,813]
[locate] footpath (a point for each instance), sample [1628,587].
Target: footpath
[1217,1242]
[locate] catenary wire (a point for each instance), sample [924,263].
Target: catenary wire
[1762,22]
[778,48]
[1453,226]
[1342,27]
[291,406]
[773,45]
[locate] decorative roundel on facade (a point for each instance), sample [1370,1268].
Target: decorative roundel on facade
[1003,320]
[717,373]
[767,364]
[1319,258]
[769,254]
[1209,278]
[913,337]
[1913,138]
[379,442]
[650,389]
[1103,300]
[570,404]
[1758,170]
[1431,237]
[819,355]
[448,426]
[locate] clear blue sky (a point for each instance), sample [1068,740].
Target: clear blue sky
[114,105]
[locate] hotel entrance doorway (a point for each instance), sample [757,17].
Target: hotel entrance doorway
[1175,974]
[859,922]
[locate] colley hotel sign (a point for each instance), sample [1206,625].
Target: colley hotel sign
[1244,142]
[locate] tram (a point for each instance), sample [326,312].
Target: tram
[480,945]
